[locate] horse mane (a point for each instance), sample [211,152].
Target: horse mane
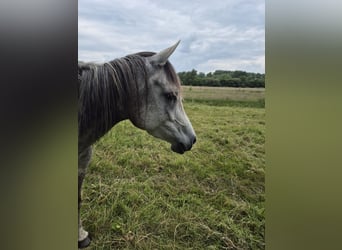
[104,90]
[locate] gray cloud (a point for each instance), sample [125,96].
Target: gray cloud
[215,34]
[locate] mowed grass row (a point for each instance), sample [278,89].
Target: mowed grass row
[222,96]
[140,195]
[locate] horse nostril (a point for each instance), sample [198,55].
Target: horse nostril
[194,141]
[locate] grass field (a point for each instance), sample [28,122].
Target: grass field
[221,96]
[140,195]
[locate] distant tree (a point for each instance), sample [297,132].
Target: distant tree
[223,78]
[239,74]
[201,75]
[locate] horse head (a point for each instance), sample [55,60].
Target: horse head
[162,114]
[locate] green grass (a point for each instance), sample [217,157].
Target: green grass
[221,96]
[140,195]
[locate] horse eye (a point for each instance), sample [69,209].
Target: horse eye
[171,96]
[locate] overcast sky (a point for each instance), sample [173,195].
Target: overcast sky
[214,34]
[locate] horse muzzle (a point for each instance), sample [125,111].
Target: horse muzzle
[181,147]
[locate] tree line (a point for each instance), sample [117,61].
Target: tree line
[223,78]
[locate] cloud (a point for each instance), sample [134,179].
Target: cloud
[215,34]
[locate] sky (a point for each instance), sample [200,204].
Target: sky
[214,34]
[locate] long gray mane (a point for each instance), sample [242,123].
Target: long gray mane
[105,89]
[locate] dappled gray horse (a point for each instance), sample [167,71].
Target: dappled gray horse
[143,88]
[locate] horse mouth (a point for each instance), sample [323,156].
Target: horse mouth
[180,148]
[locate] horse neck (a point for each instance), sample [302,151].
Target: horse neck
[112,97]
[125,74]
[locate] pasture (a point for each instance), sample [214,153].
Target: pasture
[138,194]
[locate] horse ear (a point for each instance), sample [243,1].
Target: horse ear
[161,57]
